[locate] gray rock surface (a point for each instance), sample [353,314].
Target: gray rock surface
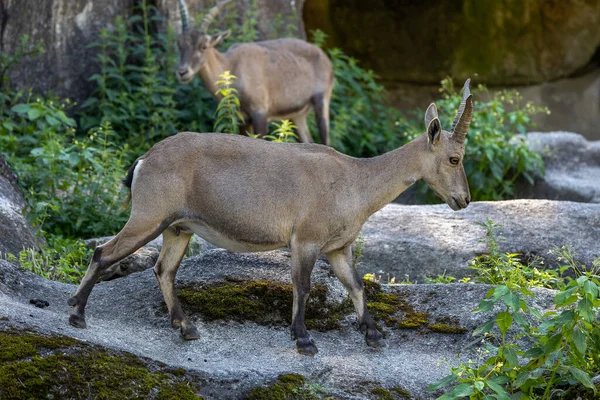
[424,241]
[572,168]
[127,314]
[15,232]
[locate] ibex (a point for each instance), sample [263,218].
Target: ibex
[249,195]
[276,79]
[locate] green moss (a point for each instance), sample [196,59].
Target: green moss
[286,387]
[445,328]
[262,301]
[392,308]
[382,393]
[401,392]
[35,366]
[3,318]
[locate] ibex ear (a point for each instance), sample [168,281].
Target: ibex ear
[430,114]
[217,37]
[434,131]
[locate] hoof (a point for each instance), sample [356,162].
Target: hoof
[78,321]
[375,339]
[72,301]
[306,346]
[190,332]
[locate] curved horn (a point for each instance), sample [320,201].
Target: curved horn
[463,115]
[210,16]
[184,16]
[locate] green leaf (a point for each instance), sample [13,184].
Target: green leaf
[512,301]
[463,390]
[498,389]
[34,113]
[564,317]
[479,385]
[486,327]
[586,310]
[500,291]
[553,343]
[485,305]
[504,320]
[21,108]
[511,356]
[445,381]
[590,288]
[582,377]
[579,338]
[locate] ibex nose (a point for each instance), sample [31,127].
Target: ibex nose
[182,71]
[468,199]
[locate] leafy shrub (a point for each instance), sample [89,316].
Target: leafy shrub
[545,354]
[63,260]
[71,185]
[361,124]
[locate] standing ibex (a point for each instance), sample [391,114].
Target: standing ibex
[250,195]
[276,79]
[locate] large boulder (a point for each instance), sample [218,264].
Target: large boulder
[426,241]
[572,168]
[15,232]
[234,355]
[504,43]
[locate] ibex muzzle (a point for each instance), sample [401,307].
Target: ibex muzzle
[276,79]
[249,195]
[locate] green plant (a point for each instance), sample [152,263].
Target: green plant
[545,354]
[498,268]
[228,116]
[71,185]
[357,250]
[63,260]
[361,124]
[443,278]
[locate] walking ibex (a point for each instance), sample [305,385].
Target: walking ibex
[276,79]
[249,195]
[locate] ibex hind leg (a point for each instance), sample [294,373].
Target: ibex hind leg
[134,235]
[302,129]
[165,269]
[321,105]
[341,263]
[303,262]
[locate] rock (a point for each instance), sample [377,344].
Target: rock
[572,168]
[504,43]
[425,241]
[15,232]
[66,29]
[232,357]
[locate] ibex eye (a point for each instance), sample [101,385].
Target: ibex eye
[454,160]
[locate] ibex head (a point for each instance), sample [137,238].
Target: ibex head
[445,173]
[194,42]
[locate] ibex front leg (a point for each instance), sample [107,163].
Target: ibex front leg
[303,262]
[341,263]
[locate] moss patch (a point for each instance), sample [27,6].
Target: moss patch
[262,301]
[286,387]
[392,308]
[397,313]
[35,366]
